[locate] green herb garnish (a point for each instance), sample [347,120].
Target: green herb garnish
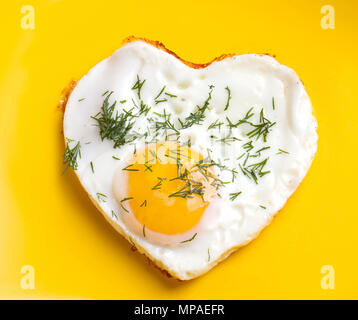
[261,128]
[228,98]
[191,239]
[112,126]
[129,168]
[71,155]
[114,215]
[198,116]
[101,197]
[138,86]
[234,195]
[92,167]
[280,151]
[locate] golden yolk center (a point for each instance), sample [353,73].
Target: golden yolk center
[169,187]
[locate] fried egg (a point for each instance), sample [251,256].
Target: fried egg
[188,162]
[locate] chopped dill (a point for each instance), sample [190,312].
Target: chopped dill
[114,215]
[112,126]
[191,239]
[159,101]
[248,146]
[144,203]
[163,123]
[138,86]
[258,167]
[198,116]
[101,197]
[280,151]
[129,168]
[262,149]
[245,119]
[216,124]
[71,155]
[234,195]
[261,128]
[159,94]
[170,95]
[92,167]
[122,206]
[228,98]
[159,184]
[228,139]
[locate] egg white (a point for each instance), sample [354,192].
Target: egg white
[254,80]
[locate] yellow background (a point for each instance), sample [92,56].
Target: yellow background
[46,219]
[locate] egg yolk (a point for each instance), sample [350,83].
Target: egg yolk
[169,187]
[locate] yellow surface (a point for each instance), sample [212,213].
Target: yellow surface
[46,219]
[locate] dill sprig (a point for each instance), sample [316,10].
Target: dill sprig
[163,123]
[126,199]
[228,98]
[161,100]
[262,149]
[112,126]
[122,206]
[156,99]
[170,95]
[191,239]
[143,109]
[280,151]
[160,93]
[191,188]
[245,119]
[114,215]
[101,197]
[129,168]
[262,128]
[258,167]
[248,146]
[198,116]
[138,86]
[215,124]
[234,195]
[92,168]
[158,186]
[71,154]
[228,139]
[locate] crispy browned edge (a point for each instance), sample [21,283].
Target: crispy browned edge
[65,94]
